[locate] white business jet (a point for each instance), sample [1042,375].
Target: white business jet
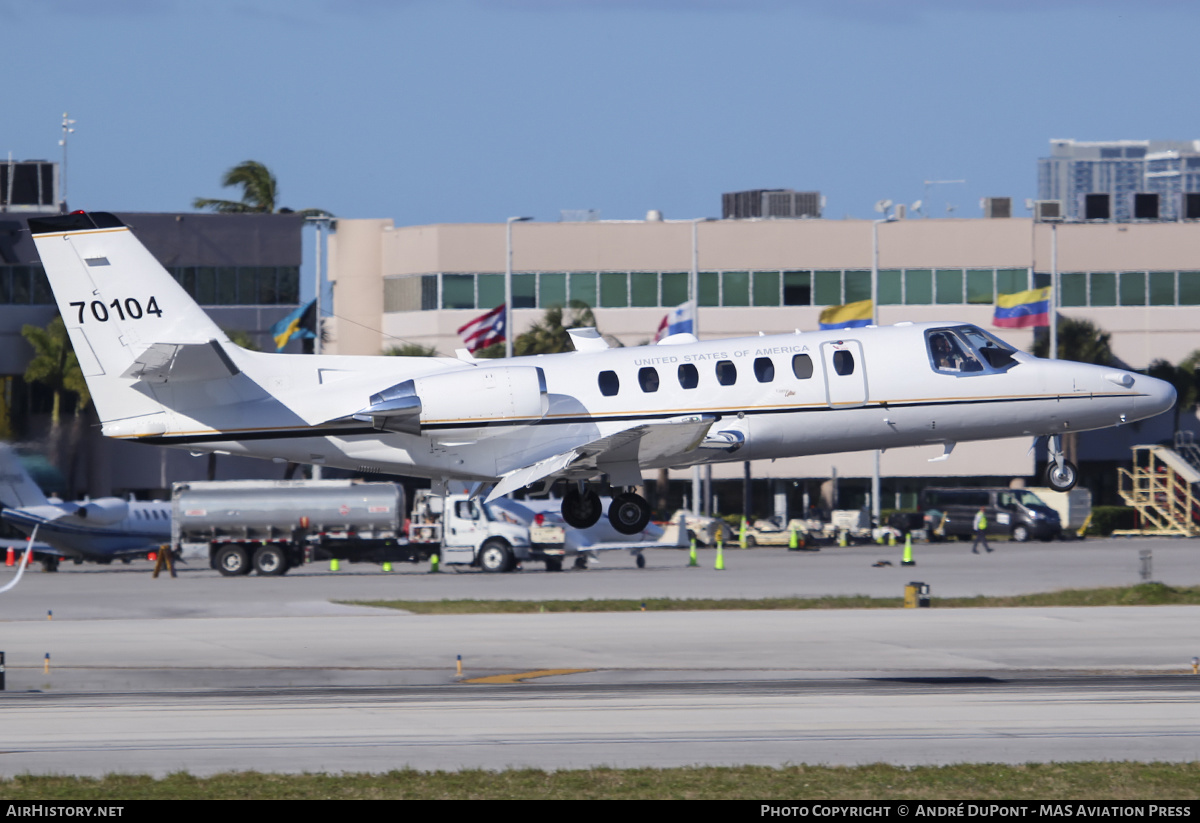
[95,530]
[160,371]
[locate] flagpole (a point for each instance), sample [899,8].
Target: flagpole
[508,319]
[1053,291]
[875,475]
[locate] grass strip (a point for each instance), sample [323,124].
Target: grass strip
[1033,781]
[1145,594]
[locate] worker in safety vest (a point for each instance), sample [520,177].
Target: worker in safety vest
[980,527]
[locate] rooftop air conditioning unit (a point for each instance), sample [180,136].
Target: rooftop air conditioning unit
[997,207]
[1047,210]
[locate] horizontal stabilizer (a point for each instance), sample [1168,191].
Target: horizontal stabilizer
[179,362]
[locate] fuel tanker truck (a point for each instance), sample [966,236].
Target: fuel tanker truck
[269,526]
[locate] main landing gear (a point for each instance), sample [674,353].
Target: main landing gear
[581,508]
[1061,474]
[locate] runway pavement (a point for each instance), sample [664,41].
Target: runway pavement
[207,674]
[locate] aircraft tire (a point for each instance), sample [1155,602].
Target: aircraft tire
[50,564]
[1062,480]
[641,561]
[232,561]
[581,511]
[629,513]
[495,557]
[270,561]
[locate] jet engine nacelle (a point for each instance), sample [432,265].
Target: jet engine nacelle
[461,399]
[103,512]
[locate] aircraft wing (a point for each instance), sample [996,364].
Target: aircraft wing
[617,454]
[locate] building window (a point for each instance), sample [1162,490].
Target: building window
[674,287]
[643,289]
[918,287]
[891,287]
[614,289]
[458,291]
[552,289]
[735,288]
[797,288]
[1133,288]
[766,288]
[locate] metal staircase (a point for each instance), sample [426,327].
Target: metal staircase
[1163,487]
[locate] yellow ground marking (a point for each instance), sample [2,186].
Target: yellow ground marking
[518,677]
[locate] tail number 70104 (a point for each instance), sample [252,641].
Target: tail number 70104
[129,308]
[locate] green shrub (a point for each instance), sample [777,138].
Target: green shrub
[1106,519]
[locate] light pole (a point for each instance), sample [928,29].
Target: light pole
[508,319]
[700,498]
[887,218]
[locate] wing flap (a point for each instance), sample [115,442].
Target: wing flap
[617,453]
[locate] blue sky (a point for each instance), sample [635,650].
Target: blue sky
[475,110]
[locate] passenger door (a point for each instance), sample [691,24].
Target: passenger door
[845,374]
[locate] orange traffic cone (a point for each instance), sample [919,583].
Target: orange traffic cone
[10,559]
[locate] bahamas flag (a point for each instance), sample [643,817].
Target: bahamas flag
[849,316]
[1023,309]
[299,323]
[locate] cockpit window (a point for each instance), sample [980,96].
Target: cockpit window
[967,350]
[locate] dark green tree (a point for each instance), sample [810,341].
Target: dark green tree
[1079,340]
[411,350]
[260,193]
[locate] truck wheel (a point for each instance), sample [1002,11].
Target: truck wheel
[232,561]
[495,556]
[1020,534]
[553,564]
[270,561]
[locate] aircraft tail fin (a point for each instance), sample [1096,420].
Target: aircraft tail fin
[17,489]
[127,318]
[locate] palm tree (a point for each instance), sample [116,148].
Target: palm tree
[548,335]
[1079,340]
[55,366]
[259,193]
[411,350]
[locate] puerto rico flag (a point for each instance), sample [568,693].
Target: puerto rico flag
[848,316]
[1023,309]
[485,330]
[677,321]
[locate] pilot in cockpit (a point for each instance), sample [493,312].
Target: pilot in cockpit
[949,356]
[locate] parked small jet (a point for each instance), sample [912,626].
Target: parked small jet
[96,530]
[160,371]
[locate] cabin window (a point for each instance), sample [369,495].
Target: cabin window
[609,384]
[648,379]
[950,355]
[689,376]
[726,372]
[802,366]
[764,369]
[843,362]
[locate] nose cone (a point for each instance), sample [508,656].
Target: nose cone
[1155,396]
